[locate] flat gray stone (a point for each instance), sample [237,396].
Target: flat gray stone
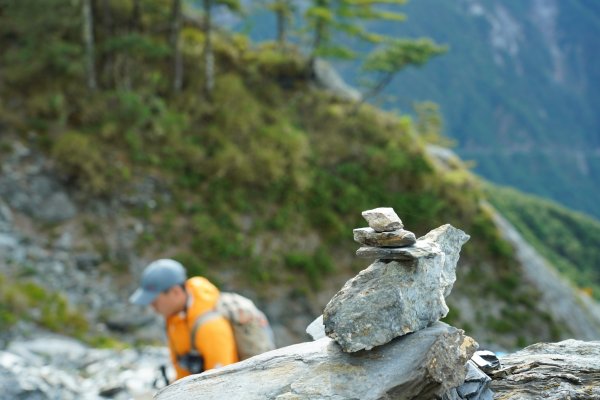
[397,238]
[418,250]
[383,219]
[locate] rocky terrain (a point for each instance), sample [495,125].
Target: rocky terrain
[56,367]
[38,364]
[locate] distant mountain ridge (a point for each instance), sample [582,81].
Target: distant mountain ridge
[517,90]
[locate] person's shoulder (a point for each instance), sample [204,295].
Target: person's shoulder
[200,283]
[204,296]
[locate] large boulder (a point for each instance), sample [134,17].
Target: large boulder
[422,365]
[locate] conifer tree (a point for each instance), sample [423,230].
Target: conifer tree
[336,22]
[284,11]
[347,17]
[395,55]
[175,30]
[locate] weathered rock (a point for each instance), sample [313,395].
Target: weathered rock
[316,329]
[54,367]
[87,261]
[565,370]
[393,298]
[418,250]
[40,196]
[383,219]
[397,238]
[6,218]
[422,365]
[475,387]
[328,78]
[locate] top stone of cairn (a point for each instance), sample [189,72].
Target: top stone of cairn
[383,219]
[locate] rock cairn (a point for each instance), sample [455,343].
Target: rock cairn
[401,292]
[385,231]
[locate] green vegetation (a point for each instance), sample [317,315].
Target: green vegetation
[262,180]
[25,300]
[567,239]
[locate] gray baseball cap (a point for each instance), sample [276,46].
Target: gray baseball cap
[158,276]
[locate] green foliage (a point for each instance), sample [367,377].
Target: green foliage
[394,56]
[325,17]
[484,227]
[27,300]
[194,264]
[568,240]
[246,175]
[45,43]
[401,53]
[315,265]
[81,160]
[430,125]
[215,239]
[251,145]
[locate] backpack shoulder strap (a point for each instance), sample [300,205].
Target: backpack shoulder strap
[201,320]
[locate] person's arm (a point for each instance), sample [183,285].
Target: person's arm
[216,343]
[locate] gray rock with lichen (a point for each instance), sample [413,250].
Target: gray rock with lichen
[395,238]
[383,219]
[393,298]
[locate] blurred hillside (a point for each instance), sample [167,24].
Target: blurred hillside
[517,90]
[256,185]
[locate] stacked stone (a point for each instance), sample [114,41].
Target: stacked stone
[362,347]
[403,291]
[385,236]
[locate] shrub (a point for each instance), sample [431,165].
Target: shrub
[315,265]
[80,159]
[27,300]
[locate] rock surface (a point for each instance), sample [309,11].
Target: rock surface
[421,365]
[475,386]
[56,367]
[393,298]
[396,238]
[565,370]
[383,219]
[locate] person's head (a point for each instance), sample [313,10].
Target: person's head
[163,287]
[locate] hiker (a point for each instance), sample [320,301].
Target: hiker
[184,304]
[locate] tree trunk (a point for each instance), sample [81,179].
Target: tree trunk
[175,46]
[106,28]
[136,13]
[209,62]
[88,39]
[319,34]
[107,16]
[281,23]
